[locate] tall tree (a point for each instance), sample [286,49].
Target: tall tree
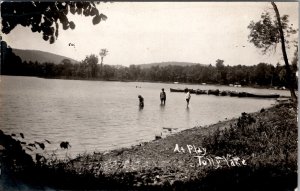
[102,54]
[45,16]
[267,32]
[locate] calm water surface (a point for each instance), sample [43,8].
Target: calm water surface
[99,116]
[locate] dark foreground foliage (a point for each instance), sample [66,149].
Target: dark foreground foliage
[270,138]
[267,139]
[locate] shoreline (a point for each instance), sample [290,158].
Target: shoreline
[196,158]
[181,83]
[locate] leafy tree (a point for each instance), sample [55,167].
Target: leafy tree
[264,73]
[67,68]
[108,72]
[10,63]
[220,63]
[91,65]
[45,16]
[134,72]
[268,32]
[221,71]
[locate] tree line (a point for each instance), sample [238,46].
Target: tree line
[262,74]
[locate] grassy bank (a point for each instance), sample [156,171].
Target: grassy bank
[256,151]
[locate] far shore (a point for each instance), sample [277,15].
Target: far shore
[163,82]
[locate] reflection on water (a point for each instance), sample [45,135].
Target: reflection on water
[187,115]
[162,107]
[95,115]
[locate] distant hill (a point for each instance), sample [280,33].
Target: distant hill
[40,56]
[162,64]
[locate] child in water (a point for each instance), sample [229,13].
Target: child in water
[163,97]
[141,101]
[187,97]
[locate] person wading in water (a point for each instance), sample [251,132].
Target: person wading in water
[141,101]
[187,97]
[163,97]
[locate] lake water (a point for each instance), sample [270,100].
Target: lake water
[99,116]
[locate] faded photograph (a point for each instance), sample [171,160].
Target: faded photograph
[148,95]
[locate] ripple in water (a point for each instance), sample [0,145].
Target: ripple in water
[99,116]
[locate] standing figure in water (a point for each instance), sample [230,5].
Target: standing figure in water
[187,97]
[141,99]
[163,97]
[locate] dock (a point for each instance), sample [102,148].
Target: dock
[218,92]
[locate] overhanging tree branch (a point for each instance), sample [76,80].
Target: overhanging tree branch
[45,16]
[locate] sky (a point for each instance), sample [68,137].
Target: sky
[148,32]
